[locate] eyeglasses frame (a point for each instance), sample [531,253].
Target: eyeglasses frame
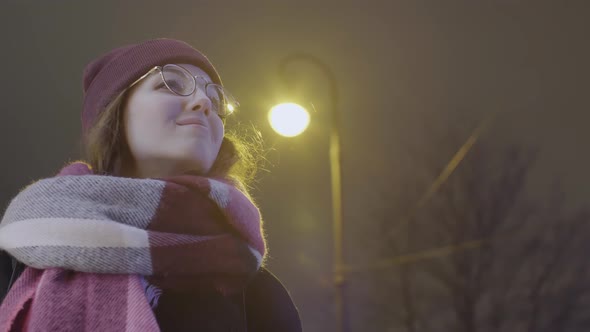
[207,84]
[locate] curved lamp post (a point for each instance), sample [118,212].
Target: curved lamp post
[335,171]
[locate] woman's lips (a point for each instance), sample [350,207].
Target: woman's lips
[191,121]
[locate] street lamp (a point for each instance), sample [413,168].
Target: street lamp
[288,119]
[335,171]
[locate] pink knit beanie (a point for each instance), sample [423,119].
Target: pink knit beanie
[111,73]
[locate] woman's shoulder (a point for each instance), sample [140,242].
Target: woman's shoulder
[7,273]
[269,305]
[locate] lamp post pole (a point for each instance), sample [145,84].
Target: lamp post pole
[336,182]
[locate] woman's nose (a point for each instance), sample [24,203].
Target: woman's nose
[199,101]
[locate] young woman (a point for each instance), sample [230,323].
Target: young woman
[155,230]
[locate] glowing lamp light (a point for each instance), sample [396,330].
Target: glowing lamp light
[288,119]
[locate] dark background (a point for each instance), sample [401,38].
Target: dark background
[401,67]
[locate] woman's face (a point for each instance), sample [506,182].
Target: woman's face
[168,134]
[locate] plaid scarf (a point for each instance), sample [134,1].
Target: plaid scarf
[90,242]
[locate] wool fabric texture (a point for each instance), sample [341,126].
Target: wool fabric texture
[90,242]
[107,76]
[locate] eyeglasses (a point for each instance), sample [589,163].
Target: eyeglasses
[181,82]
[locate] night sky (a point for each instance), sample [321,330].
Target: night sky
[399,64]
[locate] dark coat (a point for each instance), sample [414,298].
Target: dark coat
[264,305]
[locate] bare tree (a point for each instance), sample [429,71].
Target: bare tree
[529,272]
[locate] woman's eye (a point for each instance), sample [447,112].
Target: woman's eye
[175,86]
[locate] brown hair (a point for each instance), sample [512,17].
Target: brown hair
[104,146]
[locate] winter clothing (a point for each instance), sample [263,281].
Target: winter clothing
[117,229]
[110,74]
[264,305]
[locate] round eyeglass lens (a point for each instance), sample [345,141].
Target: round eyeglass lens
[178,80]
